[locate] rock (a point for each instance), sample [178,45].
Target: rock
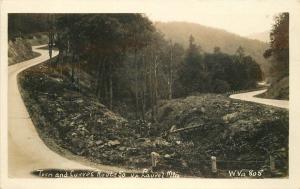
[98,142]
[142,139]
[132,151]
[122,148]
[184,163]
[178,142]
[113,142]
[147,143]
[229,117]
[173,128]
[155,154]
[167,156]
[79,101]
[202,109]
[74,134]
[161,142]
[90,143]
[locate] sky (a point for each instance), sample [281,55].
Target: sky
[242,17]
[241,24]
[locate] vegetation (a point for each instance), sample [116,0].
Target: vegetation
[234,131]
[125,63]
[279,46]
[130,62]
[22,25]
[209,38]
[216,72]
[137,65]
[278,55]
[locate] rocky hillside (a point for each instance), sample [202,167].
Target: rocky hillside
[225,128]
[278,90]
[20,49]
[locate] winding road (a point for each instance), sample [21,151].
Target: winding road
[26,151]
[250,96]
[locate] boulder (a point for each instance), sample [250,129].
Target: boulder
[230,117]
[113,142]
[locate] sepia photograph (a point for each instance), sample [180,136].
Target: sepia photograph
[147,94]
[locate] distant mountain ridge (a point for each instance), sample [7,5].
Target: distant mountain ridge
[208,38]
[261,36]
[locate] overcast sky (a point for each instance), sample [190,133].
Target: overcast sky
[243,17]
[241,24]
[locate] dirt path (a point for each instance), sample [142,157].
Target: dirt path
[250,96]
[26,151]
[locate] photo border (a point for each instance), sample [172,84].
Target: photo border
[140,6]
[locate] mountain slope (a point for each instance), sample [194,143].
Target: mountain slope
[208,38]
[262,36]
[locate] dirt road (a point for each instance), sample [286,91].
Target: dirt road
[250,96]
[26,151]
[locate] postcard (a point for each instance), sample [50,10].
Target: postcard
[138,94]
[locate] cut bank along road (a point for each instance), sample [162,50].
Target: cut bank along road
[250,96]
[26,151]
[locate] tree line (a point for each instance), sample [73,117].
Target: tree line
[278,52]
[130,61]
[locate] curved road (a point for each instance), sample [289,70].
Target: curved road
[250,96]
[26,151]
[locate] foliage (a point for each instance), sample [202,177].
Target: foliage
[216,72]
[279,46]
[209,38]
[21,24]
[130,62]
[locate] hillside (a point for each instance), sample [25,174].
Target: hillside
[226,128]
[261,36]
[208,38]
[19,49]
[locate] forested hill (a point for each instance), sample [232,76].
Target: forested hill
[208,38]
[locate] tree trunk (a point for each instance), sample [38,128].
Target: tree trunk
[110,87]
[170,81]
[155,89]
[136,85]
[106,88]
[151,92]
[144,88]
[100,76]
[73,69]
[78,75]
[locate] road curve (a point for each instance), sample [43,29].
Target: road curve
[250,96]
[26,151]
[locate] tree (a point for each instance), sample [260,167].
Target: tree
[51,30]
[240,54]
[279,46]
[170,78]
[139,30]
[191,75]
[217,50]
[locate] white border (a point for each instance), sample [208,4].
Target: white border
[182,7]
